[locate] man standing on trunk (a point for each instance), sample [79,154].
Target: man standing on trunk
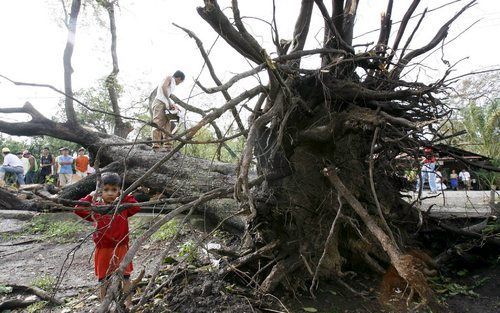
[161,104]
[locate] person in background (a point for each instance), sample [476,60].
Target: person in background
[11,164]
[81,163]
[439,181]
[66,169]
[454,180]
[30,175]
[465,178]
[428,171]
[26,163]
[57,167]
[46,163]
[161,104]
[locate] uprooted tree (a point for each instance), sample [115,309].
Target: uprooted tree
[325,142]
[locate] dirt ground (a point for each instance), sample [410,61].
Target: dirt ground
[29,258]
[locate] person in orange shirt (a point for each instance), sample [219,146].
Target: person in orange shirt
[82,163]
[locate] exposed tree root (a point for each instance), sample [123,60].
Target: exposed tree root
[405,264]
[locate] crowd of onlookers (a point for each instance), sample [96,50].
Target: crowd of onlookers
[430,173]
[61,170]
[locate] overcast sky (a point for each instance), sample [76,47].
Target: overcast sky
[33,40]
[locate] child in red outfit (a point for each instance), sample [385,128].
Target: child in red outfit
[111,236]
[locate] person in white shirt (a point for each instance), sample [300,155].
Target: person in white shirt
[439,181]
[160,104]
[11,164]
[464,176]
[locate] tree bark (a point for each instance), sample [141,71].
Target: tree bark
[121,129]
[68,69]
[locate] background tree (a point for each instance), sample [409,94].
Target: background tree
[477,100]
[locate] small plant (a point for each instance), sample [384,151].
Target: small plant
[61,231]
[137,227]
[36,307]
[45,282]
[5,289]
[50,180]
[189,250]
[166,231]
[445,286]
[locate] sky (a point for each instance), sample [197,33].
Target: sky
[149,46]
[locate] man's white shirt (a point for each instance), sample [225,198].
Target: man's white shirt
[464,176]
[165,98]
[12,160]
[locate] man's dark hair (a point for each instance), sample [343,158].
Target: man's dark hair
[46,148]
[111,179]
[180,75]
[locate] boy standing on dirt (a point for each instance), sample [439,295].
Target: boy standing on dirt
[111,236]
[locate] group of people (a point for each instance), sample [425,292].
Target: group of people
[30,170]
[434,177]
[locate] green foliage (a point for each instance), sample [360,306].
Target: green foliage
[12,144]
[45,282]
[166,231]
[96,98]
[189,251]
[492,229]
[137,227]
[36,307]
[60,231]
[5,289]
[478,103]
[446,287]
[209,151]
[482,124]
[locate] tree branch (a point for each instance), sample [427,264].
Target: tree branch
[18,83]
[350,10]
[216,79]
[440,35]
[121,129]
[213,15]
[340,42]
[68,69]
[385,29]
[302,28]
[232,80]
[402,28]
[338,16]
[39,125]
[214,125]
[243,31]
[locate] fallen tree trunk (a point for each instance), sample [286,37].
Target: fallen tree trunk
[22,303]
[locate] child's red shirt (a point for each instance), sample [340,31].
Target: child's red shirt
[111,229]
